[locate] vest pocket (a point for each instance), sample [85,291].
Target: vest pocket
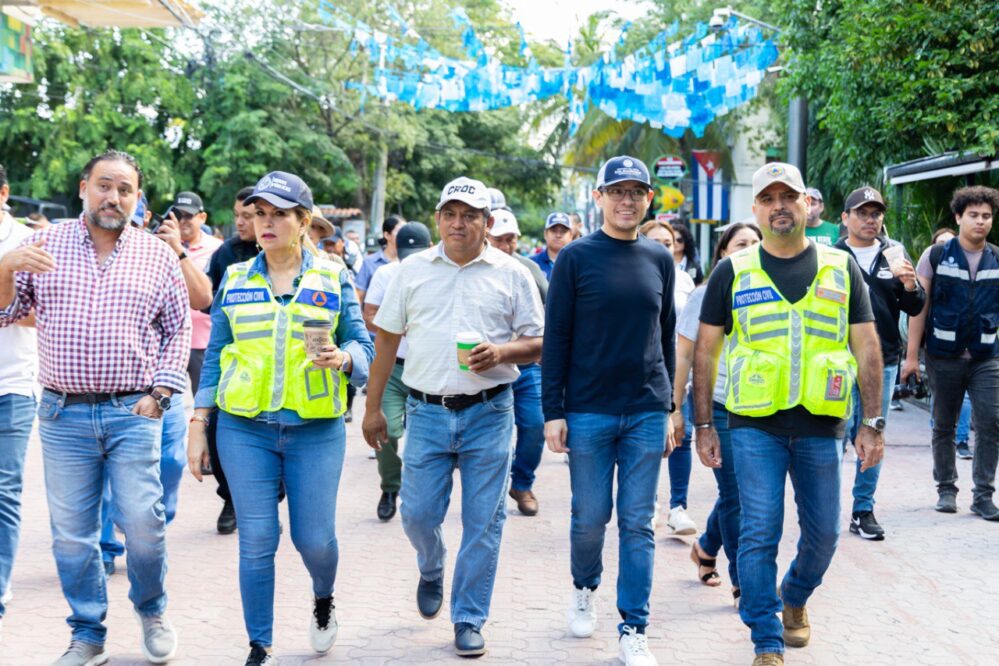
[238,393]
[829,379]
[943,334]
[756,384]
[986,343]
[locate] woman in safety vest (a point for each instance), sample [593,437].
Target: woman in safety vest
[287,337]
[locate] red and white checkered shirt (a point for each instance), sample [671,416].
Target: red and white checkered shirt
[121,326]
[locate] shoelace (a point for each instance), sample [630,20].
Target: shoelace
[640,644]
[322,611]
[582,599]
[769,659]
[154,622]
[798,616]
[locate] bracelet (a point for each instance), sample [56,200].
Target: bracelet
[198,417]
[703,426]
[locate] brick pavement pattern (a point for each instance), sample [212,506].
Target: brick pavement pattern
[925,595]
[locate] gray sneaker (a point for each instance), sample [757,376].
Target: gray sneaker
[159,640]
[82,654]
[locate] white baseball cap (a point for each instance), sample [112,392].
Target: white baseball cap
[504,222]
[467,190]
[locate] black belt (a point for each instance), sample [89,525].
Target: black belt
[400,361]
[456,403]
[92,398]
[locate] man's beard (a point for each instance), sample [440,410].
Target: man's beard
[784,231]
[93,217]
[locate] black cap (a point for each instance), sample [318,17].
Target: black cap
[864,195]
[412,238]
[188,202]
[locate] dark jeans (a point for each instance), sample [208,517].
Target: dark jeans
[951,377]
[722,529]
[211,432]
[194,363]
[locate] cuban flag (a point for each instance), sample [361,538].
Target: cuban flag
[710,193]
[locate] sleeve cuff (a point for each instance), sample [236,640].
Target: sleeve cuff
[205,398]
[171,379]
[358,363]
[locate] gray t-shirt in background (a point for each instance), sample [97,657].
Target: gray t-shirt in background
[687,324]
[924,269]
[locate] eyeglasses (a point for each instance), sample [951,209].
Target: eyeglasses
[873,215]
[618,193]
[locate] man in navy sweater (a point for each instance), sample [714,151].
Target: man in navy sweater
[607,374]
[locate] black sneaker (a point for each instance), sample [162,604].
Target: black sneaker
[348,416]
[964,451]
[226,523]
[386,506]
[986,509]
[259,657]
[864,524]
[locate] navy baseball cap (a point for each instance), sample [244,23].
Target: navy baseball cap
[556,219]
[623,168]
[336,235]
[281,189]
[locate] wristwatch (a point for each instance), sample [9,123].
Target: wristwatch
[875,422]
[162,401]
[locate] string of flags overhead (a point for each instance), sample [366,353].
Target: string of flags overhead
[670,83]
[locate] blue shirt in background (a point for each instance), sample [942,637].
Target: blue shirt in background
[542,259]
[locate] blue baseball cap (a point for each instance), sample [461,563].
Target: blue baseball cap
[281,189]
[139,216]
[556,219]
[622,168]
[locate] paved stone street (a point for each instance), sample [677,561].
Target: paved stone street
[926,595]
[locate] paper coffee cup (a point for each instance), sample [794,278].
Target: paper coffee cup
[317,335]
[467,341]
[895,255]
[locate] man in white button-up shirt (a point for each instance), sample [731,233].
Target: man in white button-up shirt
[456,418]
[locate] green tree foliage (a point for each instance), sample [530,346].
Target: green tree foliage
[882,76]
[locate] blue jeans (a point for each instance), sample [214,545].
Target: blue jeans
[258,456]
[173,462]
[17,414]
[762,464]
[865,483]
[722,529]
[530,423]
[80,444]
[635,443]
[679,462]
[478,441]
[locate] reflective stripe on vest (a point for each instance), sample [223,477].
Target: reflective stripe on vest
[780,355]
[964,313]
[265,368]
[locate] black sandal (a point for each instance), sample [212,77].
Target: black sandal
[706,562]
[736,594]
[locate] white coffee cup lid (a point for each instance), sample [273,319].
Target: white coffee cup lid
[468,337]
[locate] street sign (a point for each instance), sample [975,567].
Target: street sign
[669,168]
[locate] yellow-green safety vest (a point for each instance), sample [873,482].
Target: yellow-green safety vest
[264,368]
[780,355]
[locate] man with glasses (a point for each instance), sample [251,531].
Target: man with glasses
[893,289]
[607,374]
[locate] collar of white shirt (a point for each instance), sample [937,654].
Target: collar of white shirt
[489,255]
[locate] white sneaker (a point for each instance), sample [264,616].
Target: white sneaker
[583,613]
[679,522]
[633,649]
[372,454]
[7,596]
[159,640]
[322,624]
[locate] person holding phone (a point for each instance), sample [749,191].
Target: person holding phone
[279,419]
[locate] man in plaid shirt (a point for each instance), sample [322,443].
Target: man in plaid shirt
[114,331]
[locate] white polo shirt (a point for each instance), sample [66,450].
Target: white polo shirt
[19,369]
[431,299]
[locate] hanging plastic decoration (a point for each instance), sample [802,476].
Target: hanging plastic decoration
[669,84]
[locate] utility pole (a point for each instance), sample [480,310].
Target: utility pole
[797,133]
[378,191]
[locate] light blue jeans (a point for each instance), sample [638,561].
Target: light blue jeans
[173,462]
[763,462]
[866,483]
[17,414]
[478,441]
[80,444]
[257,457]
[634,444]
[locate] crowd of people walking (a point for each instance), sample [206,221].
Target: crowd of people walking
[614,349]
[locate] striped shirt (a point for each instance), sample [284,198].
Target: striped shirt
[124,325]
[431,299]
